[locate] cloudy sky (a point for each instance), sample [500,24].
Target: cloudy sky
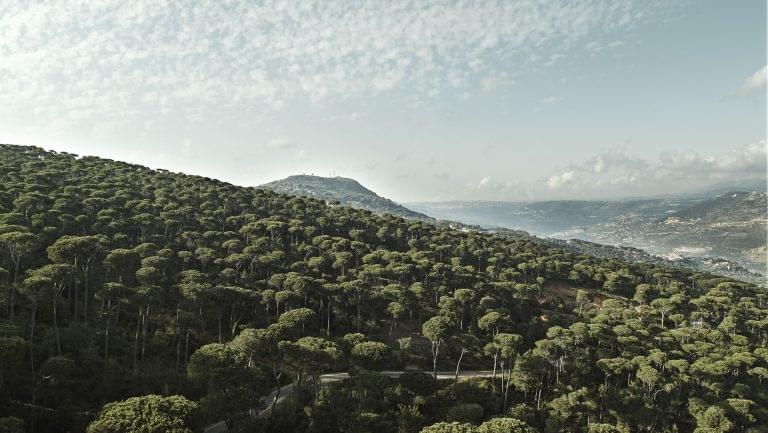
[418,100]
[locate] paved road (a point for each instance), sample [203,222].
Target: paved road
[266,402]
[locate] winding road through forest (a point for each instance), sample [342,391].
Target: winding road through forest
[287,390]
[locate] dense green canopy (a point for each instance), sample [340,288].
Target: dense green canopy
[119,281]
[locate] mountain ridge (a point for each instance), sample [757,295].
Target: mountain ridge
[345,190]
[349,191]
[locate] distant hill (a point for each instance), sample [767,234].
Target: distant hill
[710,227]
[729,207]
[344,190]
[716,266]
[550,218]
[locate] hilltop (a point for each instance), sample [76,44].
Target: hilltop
[346,191]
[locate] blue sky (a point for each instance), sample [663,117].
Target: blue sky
[420,101]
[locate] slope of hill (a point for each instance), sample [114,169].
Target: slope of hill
[186,299]
[709,265]
[729,226]
[726,208]
[557,216]
[700,264]
[346,191]
[547,218]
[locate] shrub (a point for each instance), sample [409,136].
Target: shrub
[468,412]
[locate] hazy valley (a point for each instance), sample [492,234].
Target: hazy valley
[728,225]
[722,233]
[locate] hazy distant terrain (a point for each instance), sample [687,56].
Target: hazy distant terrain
[721,233]
[344,190]
[728,225]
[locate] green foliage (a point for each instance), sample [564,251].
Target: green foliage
[231,385]
[417,382]
[467,412]
[409,419]
[11,425]
[523,412]
[436,329]
[146,414]
[603,428]
[116,280]
[372,355]
[505,425]
[449,427]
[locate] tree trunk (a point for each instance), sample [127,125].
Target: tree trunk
[502,385]
[328,320]
[106,334]
[358,315]
[299,379]
[136,344]
[56,324]
[178,338]
[144,326]
[277,394]
[32,341]
[538,399]
[435,353]
[505,384]
[493,378]
[186,346]
[458,366]
[77,296]
[87,290]
[12,287]
[221,313]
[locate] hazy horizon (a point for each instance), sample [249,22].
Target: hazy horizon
[420,101]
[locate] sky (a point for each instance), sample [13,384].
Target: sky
[417,100]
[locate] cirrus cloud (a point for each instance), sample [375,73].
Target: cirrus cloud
[755,83]
[72,62]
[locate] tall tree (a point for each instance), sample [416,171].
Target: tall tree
[436,330]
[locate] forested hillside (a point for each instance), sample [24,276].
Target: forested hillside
[700,232]
[178,301]
[345,191]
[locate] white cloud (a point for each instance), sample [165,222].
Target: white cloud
[755,83]
[595,46]
[75,62]
[489,188]
[282,143]
[615,172]
[551,99]
[495,82]
[558,180]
